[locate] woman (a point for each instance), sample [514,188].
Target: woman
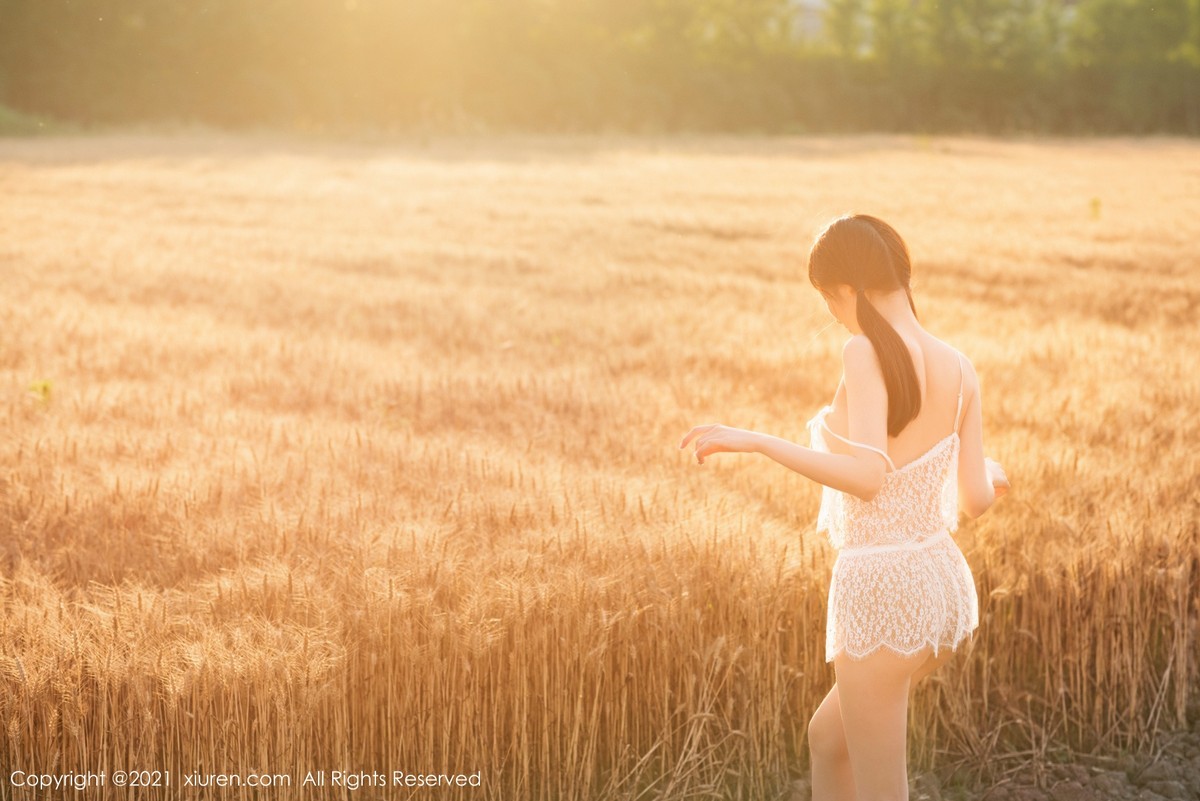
[906,447]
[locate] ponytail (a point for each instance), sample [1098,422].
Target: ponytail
[899,374]
[864,252]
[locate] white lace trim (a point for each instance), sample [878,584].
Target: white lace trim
[953,646]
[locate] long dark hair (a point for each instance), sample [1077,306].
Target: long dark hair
[864,252]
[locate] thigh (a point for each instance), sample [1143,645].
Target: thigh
[930,664]
[826,738]
[873,698]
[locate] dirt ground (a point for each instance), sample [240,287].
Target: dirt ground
[1173,774]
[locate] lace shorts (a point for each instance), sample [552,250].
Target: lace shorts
[903,596]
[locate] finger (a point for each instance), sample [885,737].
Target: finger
[695,430]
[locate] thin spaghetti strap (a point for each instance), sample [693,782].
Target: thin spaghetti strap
[961,373]
[859,444]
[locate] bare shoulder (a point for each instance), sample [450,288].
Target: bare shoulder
[858,351]
[860,363]
[970,379]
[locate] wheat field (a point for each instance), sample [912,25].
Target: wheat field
[362,455]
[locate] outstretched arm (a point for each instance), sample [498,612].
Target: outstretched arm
[861,473]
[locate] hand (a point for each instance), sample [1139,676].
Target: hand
[716,438]
[996,474]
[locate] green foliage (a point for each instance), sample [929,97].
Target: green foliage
[844,27]
[1135,57]
[911,65]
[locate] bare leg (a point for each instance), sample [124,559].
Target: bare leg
[873,698]
[832,778]
[931,664]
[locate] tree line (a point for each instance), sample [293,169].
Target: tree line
[1049,66]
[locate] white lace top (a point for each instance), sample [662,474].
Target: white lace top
[908,584]
[918,499]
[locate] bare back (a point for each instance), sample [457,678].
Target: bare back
[939,376]
[941,371]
